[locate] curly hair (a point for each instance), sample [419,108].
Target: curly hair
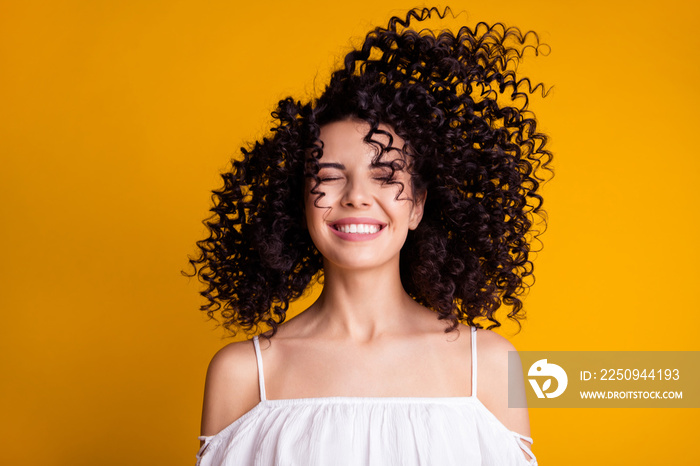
[463,111]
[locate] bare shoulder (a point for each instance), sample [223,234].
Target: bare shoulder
[492,345]
[493,384]
[231,387]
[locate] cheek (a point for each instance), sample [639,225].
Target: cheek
[315,217]
[327,197]
[309,204]
[310,214]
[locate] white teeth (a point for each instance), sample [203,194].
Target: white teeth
[358,228]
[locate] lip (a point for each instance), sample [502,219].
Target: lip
[357,236]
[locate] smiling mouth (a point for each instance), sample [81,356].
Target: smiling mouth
[358,228]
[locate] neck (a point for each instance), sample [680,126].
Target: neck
[362,305]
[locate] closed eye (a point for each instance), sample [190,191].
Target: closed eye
[385,176]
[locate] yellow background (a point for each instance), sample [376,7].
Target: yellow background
[117,117]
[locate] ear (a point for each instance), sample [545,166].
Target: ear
[416,214]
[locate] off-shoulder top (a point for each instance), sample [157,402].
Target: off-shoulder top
[376,431]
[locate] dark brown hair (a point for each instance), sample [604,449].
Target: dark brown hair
[457,102]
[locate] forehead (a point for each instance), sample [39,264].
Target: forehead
[345,138]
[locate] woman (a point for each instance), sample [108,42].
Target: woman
[408,190]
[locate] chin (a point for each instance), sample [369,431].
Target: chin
[357,264]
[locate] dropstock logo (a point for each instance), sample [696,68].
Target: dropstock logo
[542,369]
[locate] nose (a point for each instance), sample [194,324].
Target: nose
[357,194]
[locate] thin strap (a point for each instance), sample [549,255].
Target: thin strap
[261,374]
[203,448]
[474,362]
[525,447]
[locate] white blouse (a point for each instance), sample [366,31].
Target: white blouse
[376,431]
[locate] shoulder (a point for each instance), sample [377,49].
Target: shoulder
[231,387]
[230,362]
[494,383]
[492,346]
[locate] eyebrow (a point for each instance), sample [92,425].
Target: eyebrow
[339,166]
